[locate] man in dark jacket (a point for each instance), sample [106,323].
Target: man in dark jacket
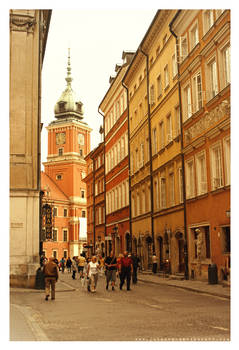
[51,275]
[135,261]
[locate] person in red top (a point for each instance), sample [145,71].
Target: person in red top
[125,270]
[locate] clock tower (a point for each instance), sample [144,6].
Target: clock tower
[68,144]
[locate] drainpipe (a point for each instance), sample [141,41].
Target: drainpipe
[129,164]
[186,272]
[99,111]
[150,150]
[93,204]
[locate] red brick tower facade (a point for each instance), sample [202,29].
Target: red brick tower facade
[68,143]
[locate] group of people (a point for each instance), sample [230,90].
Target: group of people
[124,266]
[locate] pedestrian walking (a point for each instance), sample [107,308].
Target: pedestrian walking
[92,273]
[62,262]
[111,268]
[51,275]
[135,263]
[81,264]
[74,267]
[68,264]
[154,261]
[125,270]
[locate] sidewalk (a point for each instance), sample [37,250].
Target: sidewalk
[219,290]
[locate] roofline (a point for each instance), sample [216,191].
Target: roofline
[141,43]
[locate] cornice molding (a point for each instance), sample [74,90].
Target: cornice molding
[22,22]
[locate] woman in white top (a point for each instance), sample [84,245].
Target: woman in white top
[92,273]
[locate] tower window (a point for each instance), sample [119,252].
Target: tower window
[59,177]
[82,194]
[60,151]
[81,152]
[83,213]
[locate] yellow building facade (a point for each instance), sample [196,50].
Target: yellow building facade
[155,148]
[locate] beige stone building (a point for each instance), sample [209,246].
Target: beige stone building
[28,35]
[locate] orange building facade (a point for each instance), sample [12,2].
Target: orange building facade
[203,47]
[96,200]
[68,143]
[114,109]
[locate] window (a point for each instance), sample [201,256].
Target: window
[152,95]
[174,65]
[166,77]
[156,192]
[227,160]
[169,128]
[123,195]
[159,86]
[81,152]
[133,206]
[216,167]
[127,192]
[82,193]
[83,213]
[121,104]
[137,159]
[141,154]
[162,192]
[54,235]
[81,139]
[226,57]
[54,254]
[187,107]
[197,92]
[201,173]
[171,189]
[65,254]
[117,110]
[120,197]
[96,189]
[180,184]
[60,151]
[138,204]
[226,239]
[161,135]
[65,213]
[65,235]
[154,141]
[126,144]
[183,47]
[207,20]
[213,83]
[55,211]
[194,36]
[122,147]
[59,177]
[190,183]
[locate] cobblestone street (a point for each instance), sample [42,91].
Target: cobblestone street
[147,312]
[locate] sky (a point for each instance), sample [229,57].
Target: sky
[96,39]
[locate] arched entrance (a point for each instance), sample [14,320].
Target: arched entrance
[160,250]
[149,243]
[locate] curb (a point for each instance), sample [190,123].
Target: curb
[187,288]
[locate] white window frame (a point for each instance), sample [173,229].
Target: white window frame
[169,128]
[159,86]
[154,141]
[187,102]
[166,77]
[193,35]
[180,184]
[183,47]
[176,121]
[174,65]
[65,230]
[161,135]
[197,91]
[156,192]
[201,173]
[225,65]
[190,178]
[227,159]
[212,69]
[163,194]
[208,20]
[171,186]
[216,169]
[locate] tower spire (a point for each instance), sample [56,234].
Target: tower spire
[69,78]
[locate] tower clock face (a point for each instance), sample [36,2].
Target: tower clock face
[60,138]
